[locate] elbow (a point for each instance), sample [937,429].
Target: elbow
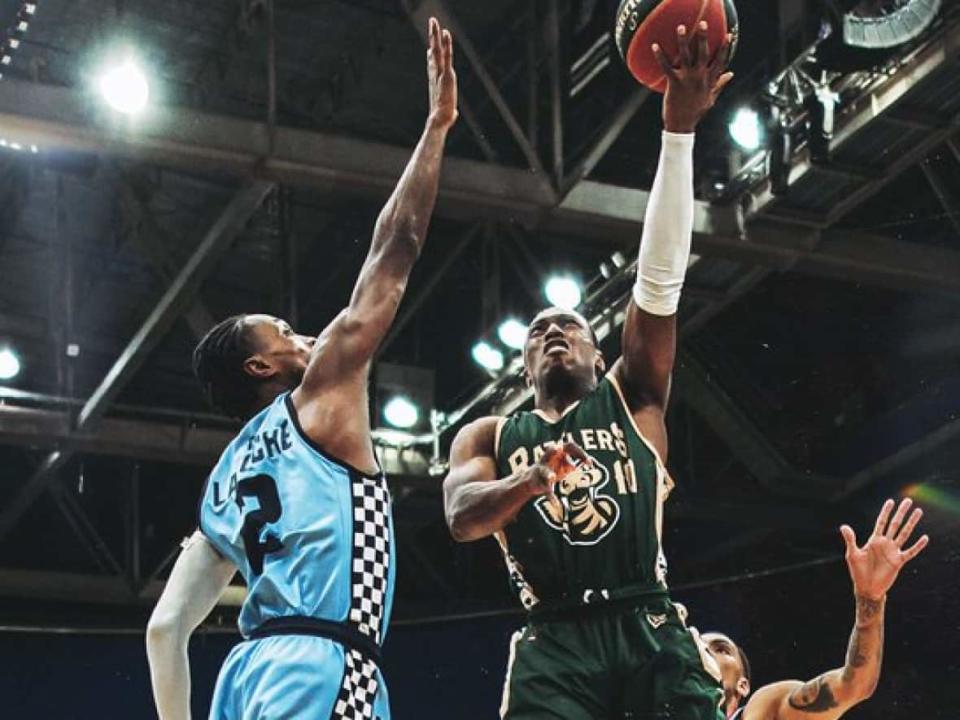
[458,530]
[399,240]
[163,630]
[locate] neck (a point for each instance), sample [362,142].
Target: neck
[556,395]
[730,706]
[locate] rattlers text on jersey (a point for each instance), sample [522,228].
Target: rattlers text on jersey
[601,532]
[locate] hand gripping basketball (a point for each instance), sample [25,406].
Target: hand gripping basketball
[641,24]
[558,461]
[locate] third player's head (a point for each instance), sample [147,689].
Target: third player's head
[244,362]
[734,668]
[561,355]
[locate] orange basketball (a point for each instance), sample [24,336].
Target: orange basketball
[641,23]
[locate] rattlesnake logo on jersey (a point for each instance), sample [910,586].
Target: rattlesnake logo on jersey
[577,509]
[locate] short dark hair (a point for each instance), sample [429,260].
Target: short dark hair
[218,364]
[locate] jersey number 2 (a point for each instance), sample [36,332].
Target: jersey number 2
[264,489]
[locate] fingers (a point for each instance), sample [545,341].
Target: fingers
[433,36]
[702,45]
[722,82]
[882,518]
[575,451]
[907,530]
[849,538]
[721,58]
[898,518]
[916,549]
[683,42]
[447,50]
[664,63]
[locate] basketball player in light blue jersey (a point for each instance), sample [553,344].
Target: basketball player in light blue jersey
[297,502]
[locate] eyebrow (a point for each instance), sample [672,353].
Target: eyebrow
[556,318]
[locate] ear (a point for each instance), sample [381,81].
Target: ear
[743,687]
[257,367]
[600,365]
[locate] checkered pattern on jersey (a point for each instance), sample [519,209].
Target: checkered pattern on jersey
[371,555]
[359,689]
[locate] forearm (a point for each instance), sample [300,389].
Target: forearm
[477,510]
[406,215]
[861,671]
[667,229]
[169,674]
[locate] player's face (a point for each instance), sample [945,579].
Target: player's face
[725,653]
[278,346]
[559,340]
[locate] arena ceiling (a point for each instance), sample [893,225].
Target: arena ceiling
[821,328]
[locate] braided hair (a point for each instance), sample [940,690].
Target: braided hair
[218,364]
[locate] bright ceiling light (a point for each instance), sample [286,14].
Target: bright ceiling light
[125,88]
[563,292]
[487,356]
[401,413]
[513,333]
[9,364]
[745,129]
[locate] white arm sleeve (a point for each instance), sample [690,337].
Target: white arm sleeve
[667,229]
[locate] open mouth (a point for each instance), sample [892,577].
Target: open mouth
[555,345]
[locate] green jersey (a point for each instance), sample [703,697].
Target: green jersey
[601,532]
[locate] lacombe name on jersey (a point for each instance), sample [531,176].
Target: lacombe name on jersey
[265,445]
[611,438]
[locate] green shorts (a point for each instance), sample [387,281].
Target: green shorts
[618,661]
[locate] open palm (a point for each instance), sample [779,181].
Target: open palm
[875,566]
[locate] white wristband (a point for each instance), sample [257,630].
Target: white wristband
[667,229]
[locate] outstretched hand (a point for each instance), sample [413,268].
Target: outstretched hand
[442,76]
[875,566]
[695,81]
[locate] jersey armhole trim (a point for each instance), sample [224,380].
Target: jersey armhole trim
[633,422]
[295,419]
[496,438]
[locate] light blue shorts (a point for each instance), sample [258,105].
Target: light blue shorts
[298,677]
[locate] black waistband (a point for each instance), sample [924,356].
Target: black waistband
[342,633]
[598,601]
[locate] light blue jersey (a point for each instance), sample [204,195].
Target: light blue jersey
[313,538]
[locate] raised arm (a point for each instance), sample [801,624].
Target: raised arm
[345,349]
[477,503]
[873,570]
[650,328]
[199,578]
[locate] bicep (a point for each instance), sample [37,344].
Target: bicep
[473,455]
[821,698]
[196,582]
[649,351]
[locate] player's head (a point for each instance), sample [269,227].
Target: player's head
[247,360]
[562,350]
[734,666]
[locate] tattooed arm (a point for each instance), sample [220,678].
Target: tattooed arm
[873,569]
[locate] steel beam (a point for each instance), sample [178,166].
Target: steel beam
[55,117]
[420,12]
[177,297]
[554,58]
[183,443]
[944,194]
[886,94]
[607,137]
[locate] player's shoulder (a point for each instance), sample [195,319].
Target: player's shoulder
[479,436]
[767,702]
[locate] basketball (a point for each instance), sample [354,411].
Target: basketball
[641,23]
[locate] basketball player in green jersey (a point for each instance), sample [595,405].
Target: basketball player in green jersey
[583,548]
[873,570]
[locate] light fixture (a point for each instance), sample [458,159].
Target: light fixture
[401,413]
[125,87]
[512,333]
[9,364]
[563,291]
[487,356]
[745,129]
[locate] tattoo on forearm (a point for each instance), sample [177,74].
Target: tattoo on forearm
[856,659]
[868,609]
[814,696]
